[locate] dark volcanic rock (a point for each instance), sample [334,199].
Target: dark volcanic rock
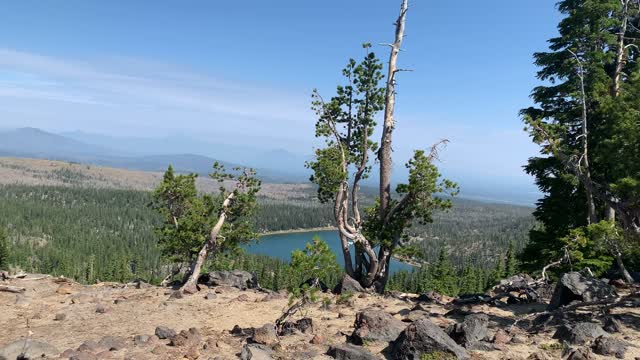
[423,338]
[583,353]
[186,338]
[265,335]
[256,352]
[580,333]
[574,286]
[470,331]
[163,332]
[349,352]
[348,285]
[376,325]
[612,325]
[113,343]
[304,325]
[239,279]
[610,347]
[430,297]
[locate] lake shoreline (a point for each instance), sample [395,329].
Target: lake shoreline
[298,231]
[398,258]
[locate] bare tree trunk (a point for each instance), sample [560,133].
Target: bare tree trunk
[584,159]
[623,270]
[191,285]
[610,213]
[384,154]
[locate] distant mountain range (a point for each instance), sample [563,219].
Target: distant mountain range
[136,154]
[187,154]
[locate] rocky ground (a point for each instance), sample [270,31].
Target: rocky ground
[66,320]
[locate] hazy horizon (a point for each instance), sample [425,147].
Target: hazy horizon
[216,73]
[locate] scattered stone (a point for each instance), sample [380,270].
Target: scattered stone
[163,332]
[265,335]
[501,337]
[376,325]
[472,330]
[348,285]
[28,349]
[422,338]
[113,343]
[210,296]
[101,309]
[574,286]
[238,331]
[89,346]
[430,297]
[119,301]
[519,339]
[239,279]
[612,325]
[349,352]
[608,346]
[579,334]
[256,352]
[304,325]
[186,338]
[140,339]
[60,317]
[582,353]
[318,339]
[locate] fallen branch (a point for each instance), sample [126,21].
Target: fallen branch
[12,289]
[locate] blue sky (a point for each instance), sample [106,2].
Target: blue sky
[229,71]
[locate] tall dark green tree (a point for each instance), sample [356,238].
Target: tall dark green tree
[585,169]
[4,249]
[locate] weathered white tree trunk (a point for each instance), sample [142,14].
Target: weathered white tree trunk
[610,213]
[384,154]
[191,285]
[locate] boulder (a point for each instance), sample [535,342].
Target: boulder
[580,333]
[472,330]
[582,353]
[256,352]
[28,349]
[608,346]
[348,285]
[612,325]
[349,352]
[304,325]
[163,332]
[113,343]
[430,297]
[239,279]
[376,325]
[423,338]
[185,338]
[318,339]
[140,339]
[574,286]
[265,335]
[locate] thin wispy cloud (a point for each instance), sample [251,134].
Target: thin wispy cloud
[126,87]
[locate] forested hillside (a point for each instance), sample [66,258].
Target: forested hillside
[108,234]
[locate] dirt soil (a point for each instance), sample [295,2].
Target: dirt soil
[65,314]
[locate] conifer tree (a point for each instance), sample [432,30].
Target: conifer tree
[4,249]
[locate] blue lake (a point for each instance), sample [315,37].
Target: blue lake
[281,246]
